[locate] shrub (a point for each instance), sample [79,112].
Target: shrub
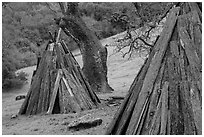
[9,79]
[12,83]
[22,76]
[29,59]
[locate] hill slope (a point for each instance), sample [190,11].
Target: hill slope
[121,73]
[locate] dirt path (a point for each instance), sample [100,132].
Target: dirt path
[121,73]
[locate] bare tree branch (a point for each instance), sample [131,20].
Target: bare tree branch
[49,7]
[140,41]
[144,42]
[74,38]
[62,7]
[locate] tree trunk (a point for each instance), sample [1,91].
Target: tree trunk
[94,61]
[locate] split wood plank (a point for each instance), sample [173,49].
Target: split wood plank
[58,35]
[155,129]
[80,75]
[44,84]
[122,115]
[47,91]
[66,108]
[196,33]
[168,130]
[32,95]
[142,117]
[78,91]
[152,72]
[67,85]
[194,7]
[91,93]
[159,119]
[196,67]
[85,97]
[75,70]
[41,94]
[53,77]
[70,104]
[59,60]
[61,101]
[35,87]
[156,119]
[130,101]
[189,128]
[164,109]
[190,51]
[188,121]
[197,108]
[54,94]
[75,89]
[154,99]
[173,97]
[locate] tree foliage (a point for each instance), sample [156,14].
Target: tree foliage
[22,27]
[24,24]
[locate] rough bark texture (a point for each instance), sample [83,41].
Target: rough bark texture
[91,48]
[165,97]
[59,85]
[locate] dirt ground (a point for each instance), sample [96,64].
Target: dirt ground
[121,73]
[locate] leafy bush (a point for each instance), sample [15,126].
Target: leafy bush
[102,29]
[22,76]
[29,59]
[12,83]
[98,16]
[97,11]
[9,78]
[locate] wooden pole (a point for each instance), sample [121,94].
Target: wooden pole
[52,101]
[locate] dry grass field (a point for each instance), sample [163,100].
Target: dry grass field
[121,73]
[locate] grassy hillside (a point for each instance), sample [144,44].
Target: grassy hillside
[121,73]
[26,25]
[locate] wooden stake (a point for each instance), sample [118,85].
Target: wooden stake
[154,99]
[153,69]
[190,49]
[52,101]
[197,109]
[123,114]
[142,117]
[164,111]
[58,35]
[168,129]
[61,102]
[154,128]
[68,88]
[80,75]
[35,87]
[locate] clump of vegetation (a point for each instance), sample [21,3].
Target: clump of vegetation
[101,17]
[26,25]
[11,80]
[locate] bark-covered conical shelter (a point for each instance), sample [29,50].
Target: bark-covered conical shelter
[166,95]
[59,85]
